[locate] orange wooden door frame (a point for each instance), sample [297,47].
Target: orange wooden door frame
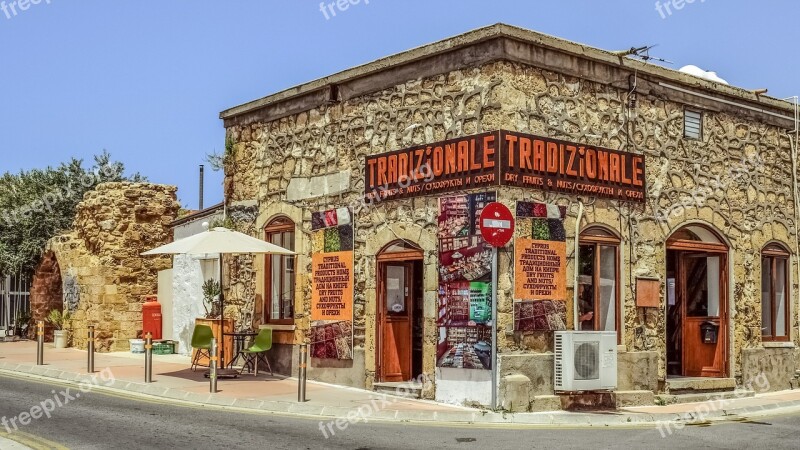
[393,327]
[702,363]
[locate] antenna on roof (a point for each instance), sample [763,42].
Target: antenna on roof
[642,53]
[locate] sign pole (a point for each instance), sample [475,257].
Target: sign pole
[497,228]
[494,328]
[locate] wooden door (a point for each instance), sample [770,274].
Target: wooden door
[703,296]
[395,311]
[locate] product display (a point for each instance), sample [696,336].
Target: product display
[332,340]
[465,273]
[539,315]
[541,230]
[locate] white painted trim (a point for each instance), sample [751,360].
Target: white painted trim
[275,327]
[777,344]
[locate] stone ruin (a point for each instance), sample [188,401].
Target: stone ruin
[95,270]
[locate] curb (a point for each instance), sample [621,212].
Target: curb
[326,412]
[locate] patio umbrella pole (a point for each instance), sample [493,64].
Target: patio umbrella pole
[221,315]
[221,371]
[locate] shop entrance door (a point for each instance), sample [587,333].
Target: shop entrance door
[697,304]
[399,317]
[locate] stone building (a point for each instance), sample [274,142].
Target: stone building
[95,270]
[675,194]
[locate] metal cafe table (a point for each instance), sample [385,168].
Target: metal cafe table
[240,341]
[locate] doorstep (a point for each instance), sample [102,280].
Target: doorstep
[406,389]
[689,397]
[684,385]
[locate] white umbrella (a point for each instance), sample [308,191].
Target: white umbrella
[219,240]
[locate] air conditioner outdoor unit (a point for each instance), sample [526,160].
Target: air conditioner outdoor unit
[585,361]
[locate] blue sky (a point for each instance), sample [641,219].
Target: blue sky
[146,80]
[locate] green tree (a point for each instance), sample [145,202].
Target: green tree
[38,204]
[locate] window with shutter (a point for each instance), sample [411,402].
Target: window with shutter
[692,124]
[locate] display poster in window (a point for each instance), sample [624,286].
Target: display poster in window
[540,268]
[332,284]
[465,272]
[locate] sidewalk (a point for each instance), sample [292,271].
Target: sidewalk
[174,380]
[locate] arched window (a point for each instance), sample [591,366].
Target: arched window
[775,293]
[598,280]
[280,273]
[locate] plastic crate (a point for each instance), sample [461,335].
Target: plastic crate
[163,348]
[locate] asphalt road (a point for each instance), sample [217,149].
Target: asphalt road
[98,420]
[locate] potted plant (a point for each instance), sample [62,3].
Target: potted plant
[23,323]
[211,291]
[59,320]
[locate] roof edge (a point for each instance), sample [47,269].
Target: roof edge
[501,30]
[197,215]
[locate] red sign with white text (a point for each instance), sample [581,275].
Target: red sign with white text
[497,224]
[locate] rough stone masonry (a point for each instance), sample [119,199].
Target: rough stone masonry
[101,277]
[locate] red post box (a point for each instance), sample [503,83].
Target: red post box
[151,317]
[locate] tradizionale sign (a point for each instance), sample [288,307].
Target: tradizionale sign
[505,158]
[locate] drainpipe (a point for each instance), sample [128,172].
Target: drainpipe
[793,143]
[577,266]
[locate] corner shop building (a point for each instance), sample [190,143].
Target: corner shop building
[673,197]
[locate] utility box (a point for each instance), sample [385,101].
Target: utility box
[151,317]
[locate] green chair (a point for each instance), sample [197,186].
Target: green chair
[258,351]
[201,340]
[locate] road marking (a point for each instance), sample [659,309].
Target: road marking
[19,440]
[8,444]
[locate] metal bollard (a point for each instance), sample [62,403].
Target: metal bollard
[148,359]
[90,350]
[212,366]
[40,343]
[301,378]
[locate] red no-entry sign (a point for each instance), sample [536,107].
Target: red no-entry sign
[497,224]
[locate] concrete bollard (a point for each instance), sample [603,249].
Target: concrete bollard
[40,343]
[302,375]
[148,359]
[90,350]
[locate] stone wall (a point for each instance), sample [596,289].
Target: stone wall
[46,292]
[104,277]
[736,180]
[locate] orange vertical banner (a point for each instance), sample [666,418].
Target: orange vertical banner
[332,289]
[540,270]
